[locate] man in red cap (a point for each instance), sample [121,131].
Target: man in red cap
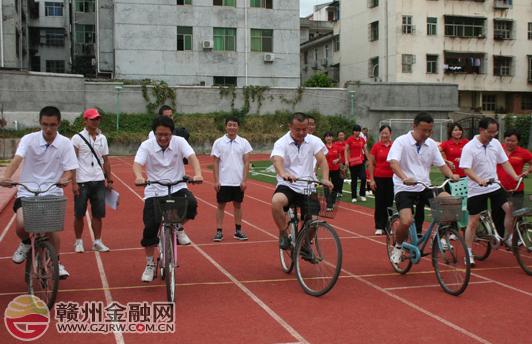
[88,181]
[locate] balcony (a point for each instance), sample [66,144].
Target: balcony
[502,4]
[84,49]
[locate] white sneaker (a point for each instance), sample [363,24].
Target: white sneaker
[508,244]
[443,244]
[453,237]
[369,193]
[354,200]
[397,255]
[182,238]
[78,247]
[21,253]
[379,232]
[471,261]
[363,199]
[63,274]
[99,246]
[148,274]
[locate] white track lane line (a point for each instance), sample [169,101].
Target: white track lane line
[7,227]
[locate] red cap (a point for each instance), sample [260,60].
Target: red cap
[92,114]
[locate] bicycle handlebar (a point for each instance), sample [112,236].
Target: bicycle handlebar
[493,181]
[186,179]
[36,192]
[431,187]
[308,181]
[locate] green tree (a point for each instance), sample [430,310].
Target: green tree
[319,80]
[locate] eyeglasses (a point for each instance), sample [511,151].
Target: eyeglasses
[51,126]
[491,133]
[163,135]
[311,124]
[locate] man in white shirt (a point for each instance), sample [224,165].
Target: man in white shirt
[48,158]
[411,158]
[88,181]
[479,160]
[163,157]
[293,157]
[230,168]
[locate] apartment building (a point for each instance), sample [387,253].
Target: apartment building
[484,46]
[13,34]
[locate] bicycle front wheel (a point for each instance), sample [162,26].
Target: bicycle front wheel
[451,261]
[523,248]
[318,263]
[44,281]
[287,261]
[169,264]
[406,263]
[481,246]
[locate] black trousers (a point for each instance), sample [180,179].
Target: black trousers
[338,183]
[498,215]
[383,200]
[360,172]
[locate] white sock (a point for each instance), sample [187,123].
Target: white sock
[150,260]
[79,241]
[470,252]
[97,240]
[398,246]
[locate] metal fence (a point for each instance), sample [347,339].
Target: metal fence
[403,126]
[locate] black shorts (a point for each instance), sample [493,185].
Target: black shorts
[17,205]
[477,204]
[407,199]
[297,199]
[230,194]
[95,192]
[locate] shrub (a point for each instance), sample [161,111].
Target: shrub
[319,80]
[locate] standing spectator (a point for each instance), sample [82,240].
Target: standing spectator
[451,150]
[355,150]
[381,178]
[333,161]
[517,157]
[167,111]
[49,157]
[88,181]
[231,166]
[341,152]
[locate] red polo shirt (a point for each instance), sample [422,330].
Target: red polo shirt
[356,147]
[333,155]
[517,159]
[341,150]
[382,167]
[452,151]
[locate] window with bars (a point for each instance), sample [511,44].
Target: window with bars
[224,81]
[526,101]
[373,31]
[184,38]
[86,6]
[489,102]
[337,42]
[261,3]
[55,66]
[432,64]
[464,27]
[502,66]
[224,39]
[184,2]
[373,67]
[262,40]
[55,36]
[53,9]
[223,2]
[408,60]
[408,28]
[373,3]
[432,26]
[530,31]
[502,30]
[85,34]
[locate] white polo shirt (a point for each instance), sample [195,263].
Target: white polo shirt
[44,164]
[164,166]
[231,154]
[298,161]
[414,160]
[89,170]
[483,161]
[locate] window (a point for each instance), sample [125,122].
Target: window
[408,28]
[35,63]
[85,6]
[337,42]
[85,34]
[184,38]
[224,39]
[502,30]
[184,2]
[55,66]
[261,3]
[374,31]
[408,61]
[501,65]
[315,54]
[223,2]
[530,68]
[53,9]
[530,31]
[330,16]
[55,37]
[489,102]
[373,67]
[526,101]
[464,27]
[432,24]
[432,64]
[373,3]
[262,40]
[224,81]
[326,51]
[305,57]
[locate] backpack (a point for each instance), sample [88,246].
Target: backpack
[183,132]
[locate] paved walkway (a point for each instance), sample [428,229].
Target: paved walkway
[7,194]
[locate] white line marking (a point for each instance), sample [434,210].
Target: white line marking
[7,227]
[429,286]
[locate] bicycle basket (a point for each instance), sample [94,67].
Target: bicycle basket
[322,202]
[446,209]
[170,209]
[521,205]
[44,214]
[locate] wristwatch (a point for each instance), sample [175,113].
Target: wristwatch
[109,181]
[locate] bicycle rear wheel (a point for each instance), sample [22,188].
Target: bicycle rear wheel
[451,261]
[169,264]
[318,263]
[43,283]
[406,263]
[523,249]
[481,245]
[287,261]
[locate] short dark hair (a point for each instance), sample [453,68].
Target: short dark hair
[364,129]
[384,126]
[513,131]
[164,121]
[232,119]
[50,111]
[423,117]
[356,127]
[340,131]
[300,116]
[451,127]
[486,121]
[310,116]
[328,133]
[164,108]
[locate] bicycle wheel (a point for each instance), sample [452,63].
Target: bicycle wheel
[160,260]
[481,245]
[44,282]
[286,255]
[523,249]
[319,262]
[169,265]
[451,261]
[406,263]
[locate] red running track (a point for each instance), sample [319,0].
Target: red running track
[237,292]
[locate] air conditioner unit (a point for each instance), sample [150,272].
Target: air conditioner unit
[208,44]
[269,57]
[324,62]
[314,65]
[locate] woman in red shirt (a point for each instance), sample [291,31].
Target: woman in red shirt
[333,160]
[381,178]
[355,149]
[451,150]
[341,152]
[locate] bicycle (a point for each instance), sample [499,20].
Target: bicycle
[319,263]
[450,261]
[170,211]
[42,214]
